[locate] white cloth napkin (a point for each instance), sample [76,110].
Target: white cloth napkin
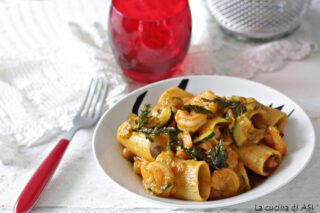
[41,88]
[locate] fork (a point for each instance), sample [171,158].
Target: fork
[86,117]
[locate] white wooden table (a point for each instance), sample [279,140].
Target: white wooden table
[79,186]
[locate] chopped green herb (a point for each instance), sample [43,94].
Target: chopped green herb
[237,107]
[218,156]
[198,109]
[189,152]
[144,116]
[215,158]
[156,131]
[173,140]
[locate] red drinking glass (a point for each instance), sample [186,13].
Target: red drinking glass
[150,38]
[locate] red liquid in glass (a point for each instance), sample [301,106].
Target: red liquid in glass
[150,38]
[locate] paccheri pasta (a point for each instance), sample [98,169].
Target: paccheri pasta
[203,147]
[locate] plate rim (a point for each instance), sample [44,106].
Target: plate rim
[205,204]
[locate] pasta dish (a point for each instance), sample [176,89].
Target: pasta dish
[203,147]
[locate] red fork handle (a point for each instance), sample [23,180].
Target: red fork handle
[40,178]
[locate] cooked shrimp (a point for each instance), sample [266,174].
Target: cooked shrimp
[158,178]
[233,157]
[174,102]
[171,94]
[224,183]
[198,100]
[190,122]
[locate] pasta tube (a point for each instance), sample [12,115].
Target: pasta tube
[192,181]
[272,117]
[261,159]
[139,145]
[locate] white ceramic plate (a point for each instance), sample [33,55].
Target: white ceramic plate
[299,136]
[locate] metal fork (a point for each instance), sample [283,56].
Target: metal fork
[87,116]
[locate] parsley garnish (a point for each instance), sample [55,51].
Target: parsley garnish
[198,109]
[156,131]
[216,158]
[191,152]
[144,116]
[237,107]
